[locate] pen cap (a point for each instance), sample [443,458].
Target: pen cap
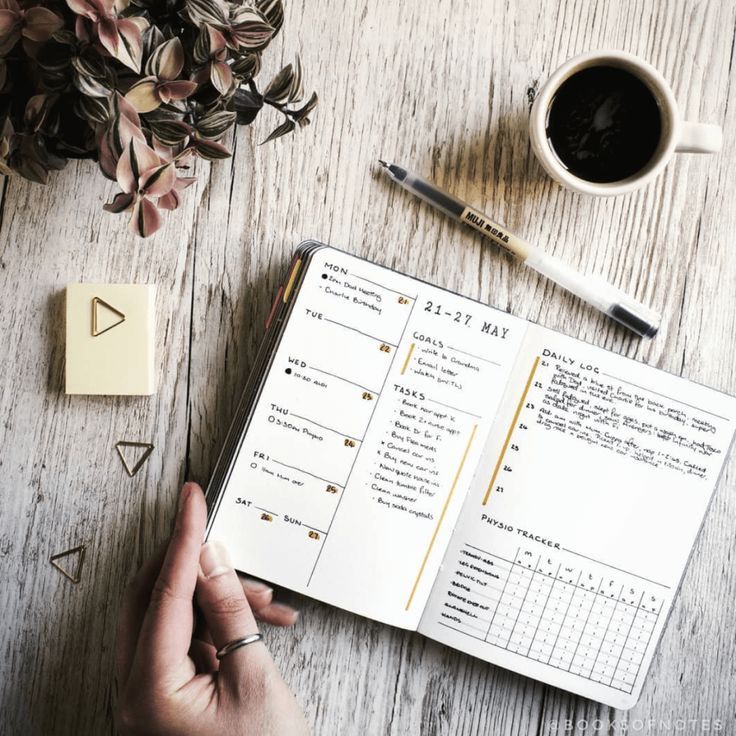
[628,311]
[636,317]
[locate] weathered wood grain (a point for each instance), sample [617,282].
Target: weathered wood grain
[446,88]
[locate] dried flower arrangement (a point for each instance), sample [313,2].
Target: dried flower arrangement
[141,86]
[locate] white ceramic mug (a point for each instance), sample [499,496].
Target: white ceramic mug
[677,135]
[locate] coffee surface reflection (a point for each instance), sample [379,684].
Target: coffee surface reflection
[604,124]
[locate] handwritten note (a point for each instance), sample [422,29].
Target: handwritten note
[424,460]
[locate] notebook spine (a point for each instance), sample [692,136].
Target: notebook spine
[235,432]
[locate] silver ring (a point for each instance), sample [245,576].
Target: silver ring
[231,646]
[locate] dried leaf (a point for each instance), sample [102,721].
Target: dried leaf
[273,11]
[142,157]
[127,130]
[91,86]
[170,201]
[180,89]
[124,108]
[215,124]
[301,114]
[137,158]
[40,23]
[83,8]
[280,85]
[206,11]
[120,202]
[145,219]
[249,28]
[247,65]
[140,21]
[201,50]
[10,23]
[127,180]
[286,86]
[90,64]
[65,37]
[107,32]
[130,48]
[221,76]
[210,44]
[158,181]
[170,132]
[93,109]
[122,129]
[296,91]
[35,112]
[211,150]
[167,60]
[143,96]
[183,182]
[151,39]
[107,158]
[32,159]
[247,105]
[286,127]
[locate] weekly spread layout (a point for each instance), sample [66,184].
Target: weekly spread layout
[425,460]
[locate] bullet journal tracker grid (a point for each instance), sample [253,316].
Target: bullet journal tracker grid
[430,462]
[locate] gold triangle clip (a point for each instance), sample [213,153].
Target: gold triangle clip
[131,471]
[76,576]
[96,304]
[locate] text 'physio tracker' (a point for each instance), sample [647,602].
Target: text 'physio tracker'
[425,460]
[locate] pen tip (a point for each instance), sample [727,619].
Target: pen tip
[383,163]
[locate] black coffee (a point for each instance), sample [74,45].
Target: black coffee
[604,124]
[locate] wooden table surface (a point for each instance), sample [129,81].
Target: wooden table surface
[447,89]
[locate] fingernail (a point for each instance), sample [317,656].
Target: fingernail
[186,491]
[214,559]
[286,609]
[256,586]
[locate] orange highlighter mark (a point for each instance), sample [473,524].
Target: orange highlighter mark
[274,306]
[511,429]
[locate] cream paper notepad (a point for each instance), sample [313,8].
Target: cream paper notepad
[428,461]
[110,330]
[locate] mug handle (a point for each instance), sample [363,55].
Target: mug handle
[699,138]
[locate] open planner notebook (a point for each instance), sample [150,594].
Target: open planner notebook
[425,460]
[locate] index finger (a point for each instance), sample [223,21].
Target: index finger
[166,633]
[132,612]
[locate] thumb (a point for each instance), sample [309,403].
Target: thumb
[226,611]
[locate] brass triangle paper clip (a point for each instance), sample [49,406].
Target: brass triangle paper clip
[96,303]
[75,577]
[131,471]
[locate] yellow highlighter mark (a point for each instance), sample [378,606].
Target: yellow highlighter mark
[511,429]
[292,279]
[408,358]
[442,516]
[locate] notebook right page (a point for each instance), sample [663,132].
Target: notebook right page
[572,542]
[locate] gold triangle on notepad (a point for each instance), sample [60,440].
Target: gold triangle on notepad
[104,316]
[131,465]
[75,576]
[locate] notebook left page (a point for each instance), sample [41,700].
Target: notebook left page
[365,437]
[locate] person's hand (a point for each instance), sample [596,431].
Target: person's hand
[169,680]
